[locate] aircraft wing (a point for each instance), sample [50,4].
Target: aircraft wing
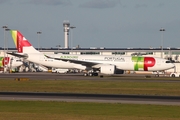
[18,55]
[85,63]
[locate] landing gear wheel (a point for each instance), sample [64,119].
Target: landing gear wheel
[173,75]
[95,74]
[85,74]
[157,75]
[91,74]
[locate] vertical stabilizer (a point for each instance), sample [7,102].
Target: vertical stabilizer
[21,43]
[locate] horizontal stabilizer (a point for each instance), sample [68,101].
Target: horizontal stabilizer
[18,55]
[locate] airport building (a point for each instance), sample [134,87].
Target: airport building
[167,53]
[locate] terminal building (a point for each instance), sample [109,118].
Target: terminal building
[167,53]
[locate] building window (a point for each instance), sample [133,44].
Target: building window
[90,53]
[149,53]
[175,53]
[118,53]
[61,52]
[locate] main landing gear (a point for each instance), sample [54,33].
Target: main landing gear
[91,74]
[156,75]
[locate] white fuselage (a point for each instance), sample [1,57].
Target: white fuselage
[121,62]
[15,63]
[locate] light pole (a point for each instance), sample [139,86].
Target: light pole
[72,27]
[162,30]
[4,27]
[7,29]
[38,33]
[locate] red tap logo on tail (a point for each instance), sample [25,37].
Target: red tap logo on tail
[19,40]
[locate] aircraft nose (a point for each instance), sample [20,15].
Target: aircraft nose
[172,65]
[19,63]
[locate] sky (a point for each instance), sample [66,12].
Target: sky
[99,23]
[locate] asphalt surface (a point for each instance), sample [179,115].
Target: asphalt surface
[101,98]
[79,76]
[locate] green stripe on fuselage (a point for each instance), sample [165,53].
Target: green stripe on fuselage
[138,62]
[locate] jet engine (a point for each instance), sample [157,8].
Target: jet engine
[110,69]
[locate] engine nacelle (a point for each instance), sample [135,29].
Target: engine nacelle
[110,69]
[118,71]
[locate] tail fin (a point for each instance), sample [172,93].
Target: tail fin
[21,43]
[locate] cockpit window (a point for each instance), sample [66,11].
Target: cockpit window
[168,61]
[18,60]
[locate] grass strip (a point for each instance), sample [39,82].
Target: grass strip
[93,86]
[52,110]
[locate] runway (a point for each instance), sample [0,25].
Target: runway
[79,76]
[100,98]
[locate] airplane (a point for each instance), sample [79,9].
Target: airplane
[10,62]
[91,64]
